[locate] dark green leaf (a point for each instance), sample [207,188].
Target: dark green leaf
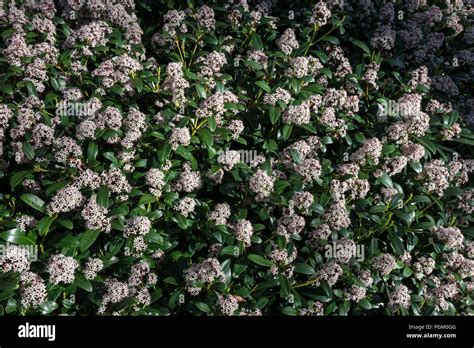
[48,307]
[423,225]
[396,243]
[263,85]
[102,197]
[256,41]
[92,150]
[87,239]
[203,307]
[304,268]
[365,304]
[18,177]
[201,92]
[260,260]
[285,288]
[361,45]
[332,39]
[44,224]
[164,152]
[289,311]
[206,137]
[28,150]
[274,115]
[33,201]
[82,282]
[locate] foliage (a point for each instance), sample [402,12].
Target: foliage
[321,164]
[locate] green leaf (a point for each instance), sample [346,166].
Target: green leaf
[365,304]
[423,225]
[102,197]
[147,198]
[263,85]
[170,197]
[388,148]
[427,144]
[200,91]
[421,199]
[377,209]
[138,83]
[253,65]
[28,150]
[257,41]
[468,231]
[289,311]
[295,155]
[332,39]
[286,131]
[66,223]
[18,177]
[234,106]
[55,84]
[464,141]
[323,57]
[362,46]
[48,307]
[55,187]
[9,281]
[285,288]
[421,88]
[396,243]
[407,271]
[6,294]
[44,224]
[326,72]
[274,115]
[34,202]
[30,87]
[453,117]
[87,239]
[211,39]
[230,250]
[416,166]
[111,157]
[206,136]
[203,307]
[82,282]
[260,260]
[309,128]
[211,121]
[92,151]
[386,180]
[407,217]
[117,89]
[262,302]
[6,89]
[453,191]
[304,269]
[164,152]
[16,236]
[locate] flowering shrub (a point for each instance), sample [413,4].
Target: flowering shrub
[236,158]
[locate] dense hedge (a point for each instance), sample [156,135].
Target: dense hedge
[236,158]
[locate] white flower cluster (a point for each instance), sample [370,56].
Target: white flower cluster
[15,258]
[202,273]
[61,269]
